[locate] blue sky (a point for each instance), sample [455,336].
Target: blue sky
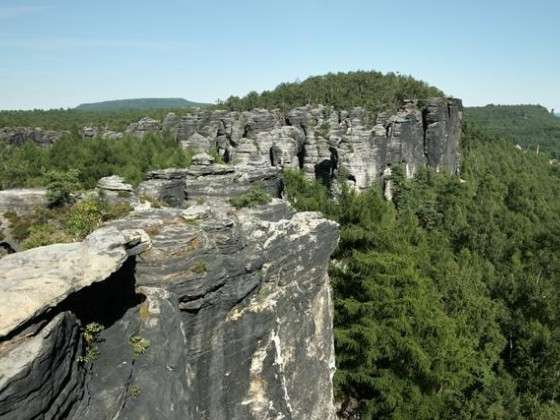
[59,53]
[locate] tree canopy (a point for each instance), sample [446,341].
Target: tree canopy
[373,90]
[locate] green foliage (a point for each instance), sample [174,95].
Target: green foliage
[89,160]
[139,345]
[446,300]
[90,334]
[84,217]
[134,391]
[44,234]
[60,186]
[63,224]
[373,90]
[527,125]
[256,196]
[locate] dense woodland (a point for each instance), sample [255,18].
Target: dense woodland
[373,90]
[129,157]
[529,126]
[446,299]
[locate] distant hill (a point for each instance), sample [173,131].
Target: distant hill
[370,89]
[135,104]
[526,125]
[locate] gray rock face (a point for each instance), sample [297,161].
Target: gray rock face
[17,136]
[22,200]
[227,315]
[222,182]
[325,143]
[115,190]
[164,187]
[145,125]
[48,294]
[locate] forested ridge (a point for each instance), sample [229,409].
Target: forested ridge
[75,119]
[529,126]
[140,103]
[370,89]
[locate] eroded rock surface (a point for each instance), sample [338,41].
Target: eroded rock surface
[228,315]
[48,295]
[354,145]
[18,136]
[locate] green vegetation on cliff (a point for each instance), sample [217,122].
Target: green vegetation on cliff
[446,300]
[530,126]
[373,90]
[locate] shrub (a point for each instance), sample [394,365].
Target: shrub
[199,267]
[61,185]
[254,197]
[83,218]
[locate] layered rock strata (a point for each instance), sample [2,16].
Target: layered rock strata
[223,314]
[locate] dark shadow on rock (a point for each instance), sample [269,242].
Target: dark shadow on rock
[107,301]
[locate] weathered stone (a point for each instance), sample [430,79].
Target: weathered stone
[164,187]
[144,126]
[232,308]
[115,190]
[322,141]
[22,201]
[18,136]
[226,181]
[202,159]
[60,270]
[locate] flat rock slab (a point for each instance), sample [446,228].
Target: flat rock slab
[34,281]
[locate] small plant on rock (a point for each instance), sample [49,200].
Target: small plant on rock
[134,391]
[139,345]
[199,267]
[90,335]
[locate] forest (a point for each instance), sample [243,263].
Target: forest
[370,89]
[530,126]
[446,299]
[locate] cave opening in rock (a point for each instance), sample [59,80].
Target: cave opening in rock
[107,301]
[301,156]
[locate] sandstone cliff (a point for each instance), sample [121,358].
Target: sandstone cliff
[354,146]
[221,314]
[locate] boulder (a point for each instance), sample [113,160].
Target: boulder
[115,190]
[222,182]
[164,187]
[22,201]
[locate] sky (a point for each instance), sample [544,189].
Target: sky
[59,53]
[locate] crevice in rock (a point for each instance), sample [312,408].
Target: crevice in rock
[425,125]
[104,302]
[115,295]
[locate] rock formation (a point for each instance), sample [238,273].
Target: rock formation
[354,145]
[17,136]
[22,200]
[222,314]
